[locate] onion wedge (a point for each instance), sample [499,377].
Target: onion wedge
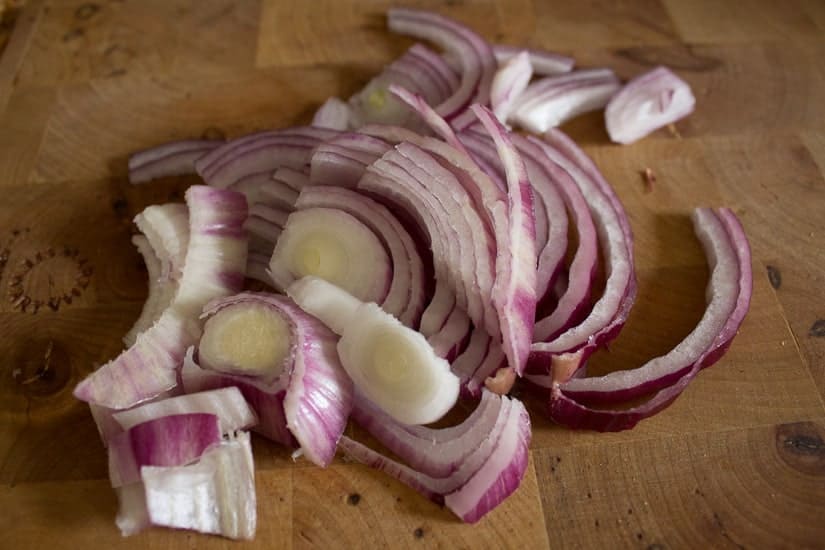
[171,159]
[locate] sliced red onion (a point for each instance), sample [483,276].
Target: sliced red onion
[449,341]
[342,160]
[554,100]
[227,404]
[433,452]
[166,226]
[336,246]
[466,364]
[574,302]
[514,292]
[214,266]
[510,80]
[477,62]
[318,395]
[494,360]
[729,293]
[261,188]
[436,63]
[295,178]
[334,113]
[429,115]
[161,291]
[263,234]
[266,399]
[171,159]
[646,103]
[407,292]
[543,63]
[485,477]
[610,312]
[166,441]
[438,310]
[216,495]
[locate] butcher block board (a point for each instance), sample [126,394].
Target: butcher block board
[738,461]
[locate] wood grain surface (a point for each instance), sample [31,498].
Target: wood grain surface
[737,462]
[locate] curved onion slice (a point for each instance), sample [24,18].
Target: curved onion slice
[389,363]
[318,393]
[171,159]
[451,338]
[475,55]
[610,312]
[167,228]
[342,160]
[261,188]
[214,266]
[646,103]
[172,440]
[335,246]
[510,80]
[161,291]
[543,63]
[334,114]
[483,478]
[552,101]
[227,404]
[407,292]
[729,293]
[438,310]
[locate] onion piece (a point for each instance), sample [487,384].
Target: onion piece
[257,266]
[318,396]
[214,266]
[161,292]
[407,292]
[438,310]
[554,100]
[485,477]
[453,336]
[391,364]
[514,292]
[171,159]
[166,441]
[729,293]
[336,246]
[334,113]
[542,62]
[342,160]
[648,102]
[261,188]
[216,495]
[227,404]
[510,80]
[295,178]
[476,57]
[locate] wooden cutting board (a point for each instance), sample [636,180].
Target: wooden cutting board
[737,462]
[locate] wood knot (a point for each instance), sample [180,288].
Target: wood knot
[801,446]
[49,278]
[41,369]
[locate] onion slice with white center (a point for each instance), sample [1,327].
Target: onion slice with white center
[554,100]
[729,293]
[215,265]
[391,364]
[336,246]
[648,102]
[407,292]
[176,158]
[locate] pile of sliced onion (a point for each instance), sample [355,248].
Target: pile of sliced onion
[429,255]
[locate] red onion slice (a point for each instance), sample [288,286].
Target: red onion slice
[227,404]
[729,293]
[438,310]
[318,396]
[449,341]
[514,291]
[214,266]
[543,63]
[477,62]
[441,70]
[171,159]
[161,291]
[261,188]
[510,80]
[342,160]
[166,226]
[407,292]
[295,178]
[166,441]
[257,266]
[334,114]
[648,102]
[553,100]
